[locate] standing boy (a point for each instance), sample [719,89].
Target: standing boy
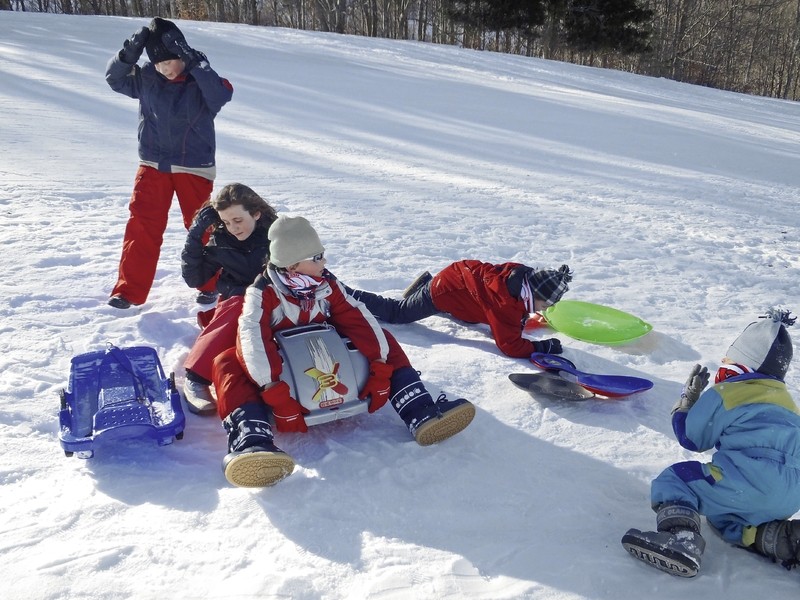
[179,95]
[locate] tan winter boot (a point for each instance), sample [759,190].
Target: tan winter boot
[253,459]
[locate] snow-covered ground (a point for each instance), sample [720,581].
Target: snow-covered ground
[673,202]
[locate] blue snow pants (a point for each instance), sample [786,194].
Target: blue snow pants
[737,489]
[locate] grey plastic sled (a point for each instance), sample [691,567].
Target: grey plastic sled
[118,393]
[550,384]
[324,371]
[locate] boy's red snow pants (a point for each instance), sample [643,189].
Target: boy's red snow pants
[144,233]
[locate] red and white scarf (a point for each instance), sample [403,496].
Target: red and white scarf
[728,370]
[302,287]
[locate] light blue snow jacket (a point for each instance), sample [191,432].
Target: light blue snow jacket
[752,414]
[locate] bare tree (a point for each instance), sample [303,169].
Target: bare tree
[751,46]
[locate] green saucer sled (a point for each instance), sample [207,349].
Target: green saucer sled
[590,322]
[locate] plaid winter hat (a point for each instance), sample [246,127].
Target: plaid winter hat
[291,240]
[156,51]
[765,346]
[549,284]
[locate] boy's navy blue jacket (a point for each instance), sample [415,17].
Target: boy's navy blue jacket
[176,118]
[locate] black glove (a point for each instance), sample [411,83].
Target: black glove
[133,47]
[205,218]
[548,346]
[698,380]
[174,41]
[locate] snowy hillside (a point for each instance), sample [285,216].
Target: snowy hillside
[676,203]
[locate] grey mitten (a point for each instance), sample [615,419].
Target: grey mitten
[697,382]
[133,47]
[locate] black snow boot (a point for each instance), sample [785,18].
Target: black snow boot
[252,459]
[421,280]
[677,546]
[780,541]
[428,421]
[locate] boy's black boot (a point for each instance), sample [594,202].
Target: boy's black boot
[421,280]
[118,301]
[252,459]
[676,547]
[779,540]
[428,421]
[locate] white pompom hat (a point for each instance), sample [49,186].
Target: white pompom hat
[765,345]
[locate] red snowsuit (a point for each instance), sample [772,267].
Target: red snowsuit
[477,292]
[144,232]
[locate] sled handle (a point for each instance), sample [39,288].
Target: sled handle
[553,362]
[138,378]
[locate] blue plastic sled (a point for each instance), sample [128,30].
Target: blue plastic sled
[610,386]
[118,393]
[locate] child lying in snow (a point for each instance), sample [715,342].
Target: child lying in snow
[501,296]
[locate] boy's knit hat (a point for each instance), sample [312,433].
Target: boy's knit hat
[156,50]
[291,240]
[550,284]
[765,346]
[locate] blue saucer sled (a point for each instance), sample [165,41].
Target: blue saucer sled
[118,393]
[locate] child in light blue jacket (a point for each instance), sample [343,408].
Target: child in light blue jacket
[752,484]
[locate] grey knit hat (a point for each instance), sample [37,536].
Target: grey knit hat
[765,345]
[550,284]
[291,240]
[156,50]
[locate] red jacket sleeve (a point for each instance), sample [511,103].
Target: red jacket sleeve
[352,319]
[506,326]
